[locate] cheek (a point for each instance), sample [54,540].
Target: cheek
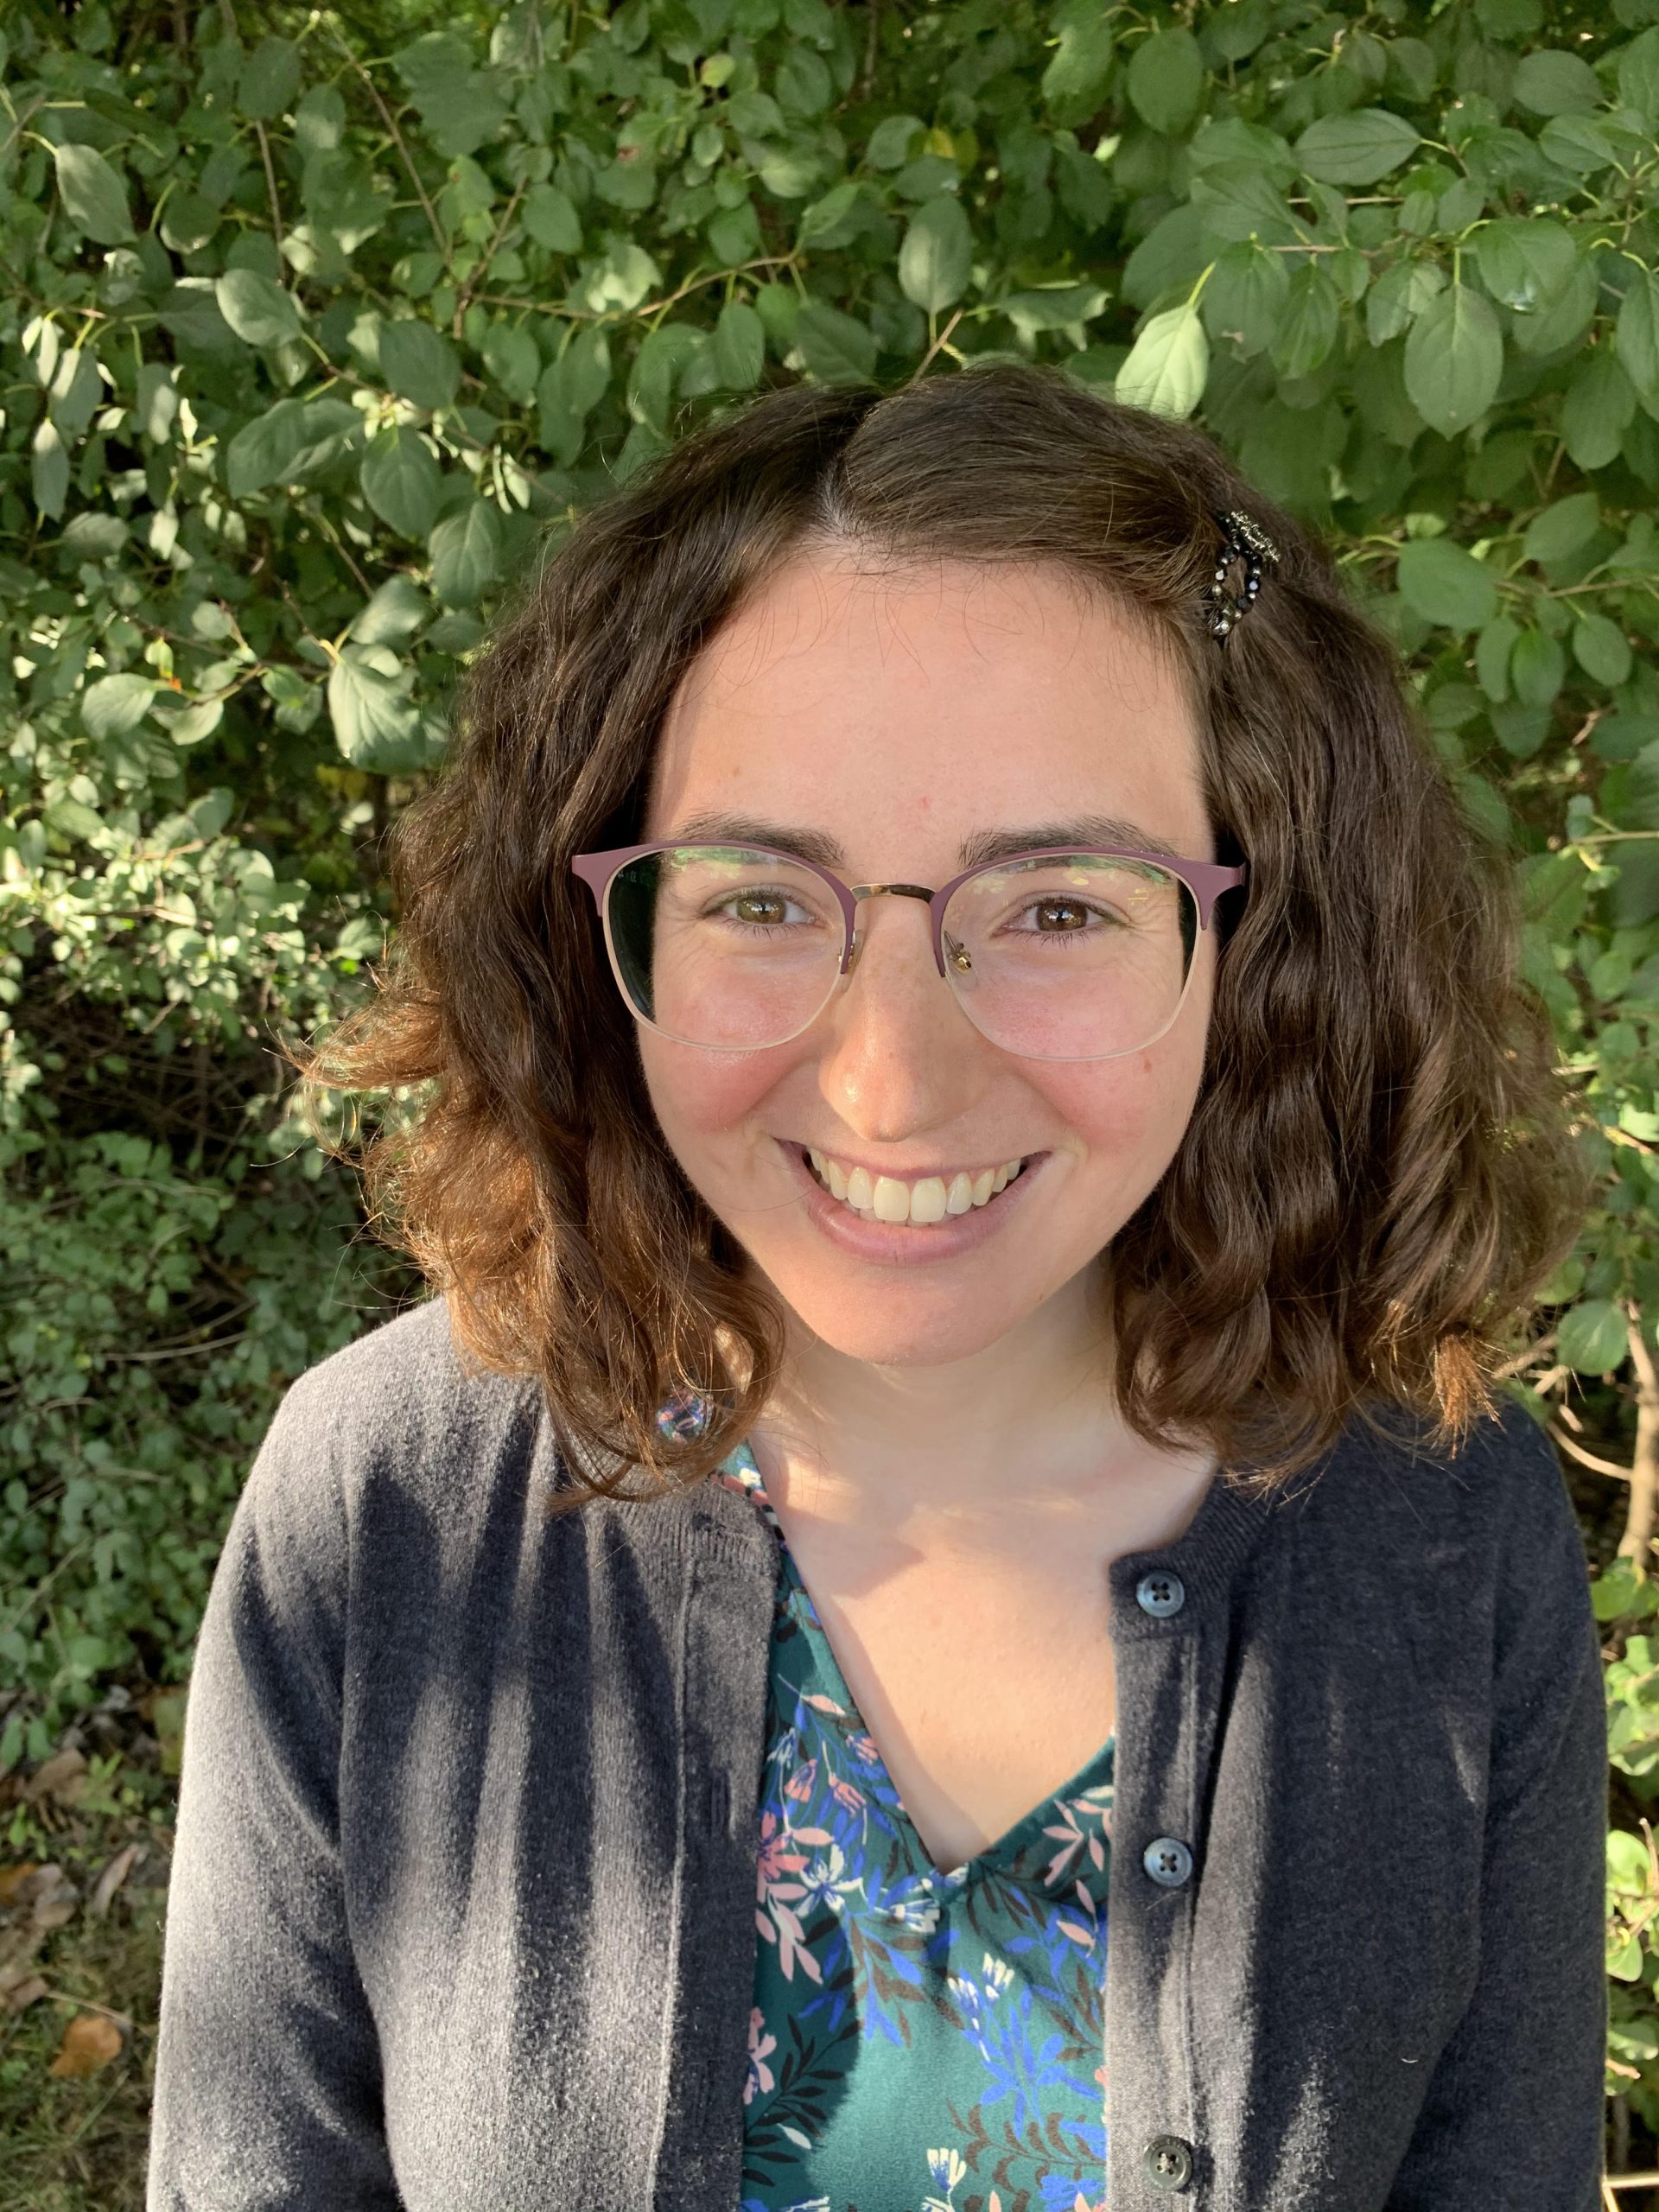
[702,1098]
[1128,1117]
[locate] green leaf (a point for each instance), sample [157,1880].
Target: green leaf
[1601,649]
[551,217]
[394,613]
[401,482]
[1594,1337]
[937,255]
[466,551]
[419,364]
[1493,649]
[1553,82]
[258,311]
[1455,360]
[1166,80]
[740,347]
[1445,584]
[575,384]
[1245,296]
[115,704]
[1168,365]
[1562,529]
[48,471]
[1073,86]
[893,140]
[835,348]
[1358,148]
[1597,411]
[1526,263]
[375,726]
[1307,330]
[1052,307]
[1399,296]
[269,80]
[833,219]
[1537,667]
[1638,75]
[264,450]
[514,359]
[94,198]
[1636,335]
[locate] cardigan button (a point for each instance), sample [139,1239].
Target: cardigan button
[1160,1593]
[1168,2162]
[1168,1859]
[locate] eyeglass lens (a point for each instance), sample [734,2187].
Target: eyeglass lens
[1077,957]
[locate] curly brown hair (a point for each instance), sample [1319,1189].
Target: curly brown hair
[1379,1170]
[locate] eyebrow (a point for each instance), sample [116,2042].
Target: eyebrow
[979,850]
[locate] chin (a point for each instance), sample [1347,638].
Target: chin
[906,1325]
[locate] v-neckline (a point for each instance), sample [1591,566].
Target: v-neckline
[1034,1852]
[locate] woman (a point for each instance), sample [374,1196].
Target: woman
[957,1443]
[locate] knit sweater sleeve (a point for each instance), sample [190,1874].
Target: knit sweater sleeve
[1514,2110]
[267,2078]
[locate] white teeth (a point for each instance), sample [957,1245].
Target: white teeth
[885,1198]
[927,1199]
[891,1200]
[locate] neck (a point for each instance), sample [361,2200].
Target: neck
[1028,1424]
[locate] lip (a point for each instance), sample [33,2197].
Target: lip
[897,1243]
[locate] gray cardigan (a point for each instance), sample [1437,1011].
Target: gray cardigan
[462,1915]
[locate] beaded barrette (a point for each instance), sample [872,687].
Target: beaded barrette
[1242,539]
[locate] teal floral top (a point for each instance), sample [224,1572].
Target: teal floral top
[919,2041]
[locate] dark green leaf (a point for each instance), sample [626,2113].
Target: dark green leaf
[551,217]
[48,471]
[419,364]
[1601,649]
[256,310]
[1307,330]
[1562,529]
[1454,359]
[1554,82]
[1358,148]
[264,450]
[93,196]
[835,348]
[740,347]
[1446,584]
[1525,262]
[465,553]
[269,80]
[1074,83]
[401,482]
[1166,80]
[1245,296]
[1537,667]
[1638,333]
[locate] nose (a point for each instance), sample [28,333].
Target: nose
[898,1053]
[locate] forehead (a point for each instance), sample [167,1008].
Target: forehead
[929,687]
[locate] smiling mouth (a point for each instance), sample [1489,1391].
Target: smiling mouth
[919,1204]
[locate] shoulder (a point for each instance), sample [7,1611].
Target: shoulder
[1486,1532]
[395,1428]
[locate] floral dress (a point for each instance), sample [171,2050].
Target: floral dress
[919,2041]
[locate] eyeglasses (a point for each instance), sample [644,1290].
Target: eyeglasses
[1063,953]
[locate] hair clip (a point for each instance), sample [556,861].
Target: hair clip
[1242,539]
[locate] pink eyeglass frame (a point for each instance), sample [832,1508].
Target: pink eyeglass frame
[1205,880]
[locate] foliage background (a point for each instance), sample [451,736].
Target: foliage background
[315,326]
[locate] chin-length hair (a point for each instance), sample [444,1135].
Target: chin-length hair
[1379,1169]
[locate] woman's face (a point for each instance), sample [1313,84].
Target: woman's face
[895,715]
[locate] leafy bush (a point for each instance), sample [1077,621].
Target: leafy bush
[307,346]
